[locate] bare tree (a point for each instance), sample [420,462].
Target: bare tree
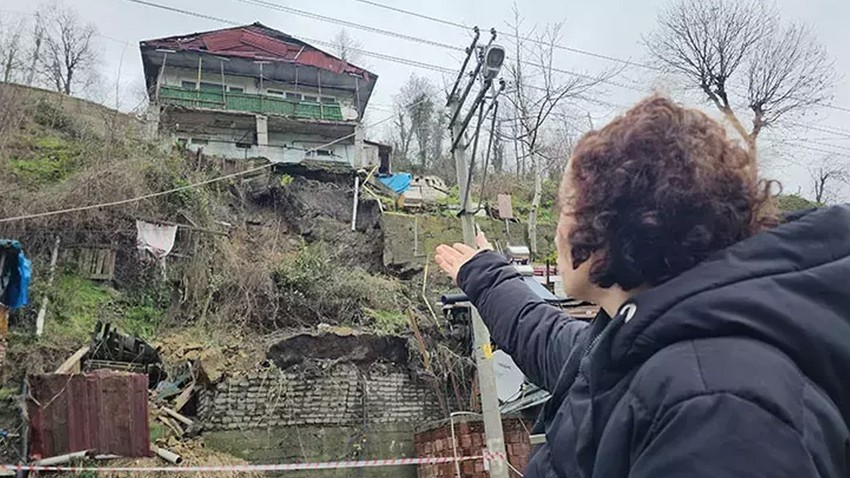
[12,50]
[416,99]
[827,176]
[401,134]
[70,52]
[539,91]
[726,47]
[346,47]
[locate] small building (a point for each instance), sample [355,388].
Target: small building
[252,92]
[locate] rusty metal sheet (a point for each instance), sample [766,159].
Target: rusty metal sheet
[103,411]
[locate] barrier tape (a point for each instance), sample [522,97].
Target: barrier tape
[246,468]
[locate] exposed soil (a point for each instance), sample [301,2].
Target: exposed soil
[321,211]
[355,348]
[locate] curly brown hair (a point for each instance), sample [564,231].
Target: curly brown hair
[656,192]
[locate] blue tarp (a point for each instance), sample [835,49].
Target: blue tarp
[398,182]
[16,274]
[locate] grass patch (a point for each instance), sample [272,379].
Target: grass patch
[76,303]
[387,322]
[310,283]
[49,159]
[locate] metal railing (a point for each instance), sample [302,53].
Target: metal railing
[253,103]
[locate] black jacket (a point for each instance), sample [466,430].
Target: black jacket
[739,367]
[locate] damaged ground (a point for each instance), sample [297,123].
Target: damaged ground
[266,272]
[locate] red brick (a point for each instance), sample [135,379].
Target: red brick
[466,441]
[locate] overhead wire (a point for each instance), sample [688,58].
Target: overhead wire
[184,187]
[579,51]
[424,65]
[533,40]
[424,41]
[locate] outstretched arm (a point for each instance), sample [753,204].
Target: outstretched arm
[538,336]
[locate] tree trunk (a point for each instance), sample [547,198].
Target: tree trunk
[67,86]
[535,203]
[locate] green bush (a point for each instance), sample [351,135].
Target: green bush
[793,202]
[312,285]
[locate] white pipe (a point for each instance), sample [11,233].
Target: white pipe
[454,440]
[42,311]
[356,199]
[168,456]
[62,459]
[454,445]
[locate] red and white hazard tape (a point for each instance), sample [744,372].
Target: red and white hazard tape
[246,468]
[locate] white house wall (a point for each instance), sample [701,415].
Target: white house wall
[282,147]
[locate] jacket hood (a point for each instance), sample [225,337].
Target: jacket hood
[788,287]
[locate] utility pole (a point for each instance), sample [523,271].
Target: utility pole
[482,351]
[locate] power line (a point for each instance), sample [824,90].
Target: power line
[181,188]
[417,64]
[390,33]
[381,56]
[534,40]
[338,21]
[555,45]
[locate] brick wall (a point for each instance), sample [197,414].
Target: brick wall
[341,396]
[469,436]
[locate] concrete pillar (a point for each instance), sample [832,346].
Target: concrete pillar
[151,128]
[263,136]
[262,131]
[358,146]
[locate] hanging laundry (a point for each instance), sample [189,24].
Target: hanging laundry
[157,239]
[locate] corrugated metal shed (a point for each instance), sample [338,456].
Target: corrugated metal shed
[104,411]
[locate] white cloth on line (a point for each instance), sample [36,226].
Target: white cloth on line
[157,239]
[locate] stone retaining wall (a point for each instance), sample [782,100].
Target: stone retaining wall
[341,396]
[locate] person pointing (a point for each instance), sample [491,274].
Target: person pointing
[722,345]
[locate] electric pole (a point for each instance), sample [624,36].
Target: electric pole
[482,351]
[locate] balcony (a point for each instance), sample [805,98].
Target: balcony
[245,102]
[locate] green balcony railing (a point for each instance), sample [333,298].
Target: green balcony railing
[264,104]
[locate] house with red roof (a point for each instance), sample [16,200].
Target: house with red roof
[255,92]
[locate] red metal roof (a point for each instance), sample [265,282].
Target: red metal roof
[103,411]
[257,41]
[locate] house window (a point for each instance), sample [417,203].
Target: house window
[320,152]
[293,96]
[244,145]
[236,89]
[190,85]
[199,141]
[277,92]
[311,99]
[328,100]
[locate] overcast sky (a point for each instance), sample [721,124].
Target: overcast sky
[609,27]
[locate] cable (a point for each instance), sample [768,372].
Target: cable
[533,40]
[433,67]
[487,157]
[360,26]
[541,42]
[181,188]
[380,56]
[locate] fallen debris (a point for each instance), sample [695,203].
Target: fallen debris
[168,456]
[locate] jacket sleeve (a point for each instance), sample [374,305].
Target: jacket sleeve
[538,336]
[722,435]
